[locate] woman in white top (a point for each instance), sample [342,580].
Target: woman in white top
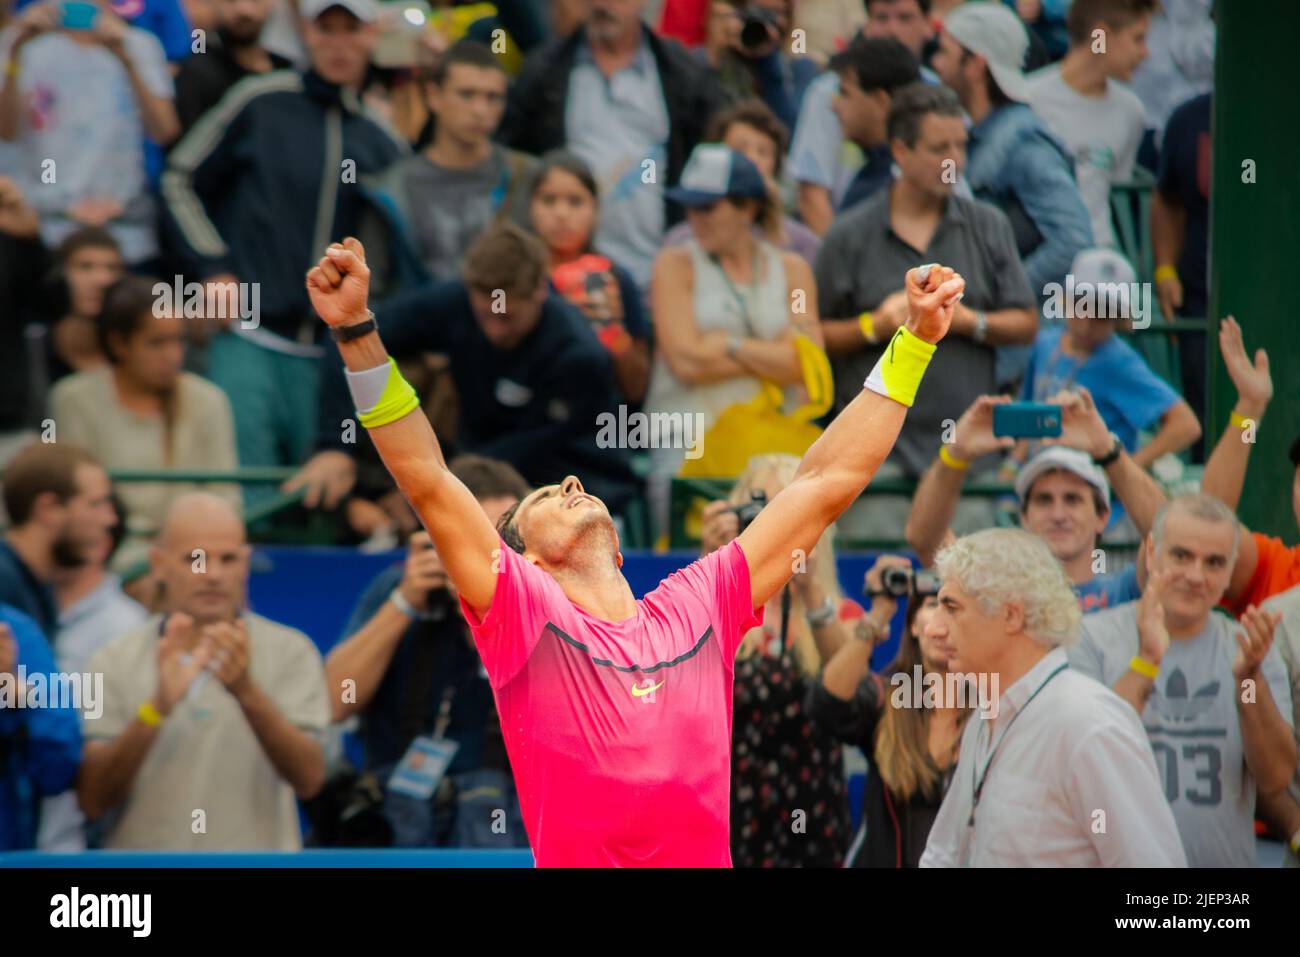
[142,411]
[726,305]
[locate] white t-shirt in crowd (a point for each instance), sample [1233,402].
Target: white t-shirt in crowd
[80,112]
[1102,132]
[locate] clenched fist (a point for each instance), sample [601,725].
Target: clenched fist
[931,300]
[338,284]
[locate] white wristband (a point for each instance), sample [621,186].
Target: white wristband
[402,605]
[367,386]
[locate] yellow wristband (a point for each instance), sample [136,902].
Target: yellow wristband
[950,460]
[1239,420]
[1165,272]
[149,714]
[899,370]
[398,399]
[13,68]
[1144,667]
[868,326]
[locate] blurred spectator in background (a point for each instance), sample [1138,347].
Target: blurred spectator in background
[749,45]
[870,72]
[165,19]
[824,159]
[632,105]
[1046,20]
[87,263]
[1181,40]
[781,761]
[750,128]
[1064,494]
[408,667]
[1084,101]
[1086,351]
[1015,162]
[723,318]
[143,411]
[462,181]
[911,752]
[22,257]
[919,219]
[1214,698]
[39,747]
[235,53]
[58,499]
[80,101]
[828,25]
[253,193]
[564,207]
[213,716]
[531,375]
[1180,235]
[93,609]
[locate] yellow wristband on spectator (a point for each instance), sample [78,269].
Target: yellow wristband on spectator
[149,714]
[1144,667]
[950,460]
[898,372]
[1239,420]
[398,399]
[13,67]
[868,326]
[1165,272]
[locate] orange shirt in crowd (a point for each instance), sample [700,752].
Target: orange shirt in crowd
[1276,570]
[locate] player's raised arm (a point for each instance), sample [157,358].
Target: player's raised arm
[840,463]
[390,409]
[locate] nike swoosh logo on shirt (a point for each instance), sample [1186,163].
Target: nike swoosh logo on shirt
[640,692]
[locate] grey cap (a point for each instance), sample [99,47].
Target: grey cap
[998,35]
[1061,458]
[367,11]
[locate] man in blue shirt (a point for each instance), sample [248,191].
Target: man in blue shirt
[40,746]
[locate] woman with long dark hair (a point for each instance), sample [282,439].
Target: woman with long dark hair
[911,751]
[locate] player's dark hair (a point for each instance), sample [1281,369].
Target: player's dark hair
[508,530]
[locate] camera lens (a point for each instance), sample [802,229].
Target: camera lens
[754,31]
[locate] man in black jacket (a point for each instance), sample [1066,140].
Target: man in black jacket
[630,103]
[531,376]
[253,194]
[23,260]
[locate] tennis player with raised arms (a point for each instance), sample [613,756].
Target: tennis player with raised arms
[616,713]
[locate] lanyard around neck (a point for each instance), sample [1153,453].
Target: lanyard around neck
[977,786]
[735,293]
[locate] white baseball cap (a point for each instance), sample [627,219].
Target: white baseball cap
[1060,458]
[367,11]
[995,33]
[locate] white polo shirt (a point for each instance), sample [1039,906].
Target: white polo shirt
[1071,783]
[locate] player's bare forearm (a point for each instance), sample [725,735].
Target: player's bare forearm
[338,287]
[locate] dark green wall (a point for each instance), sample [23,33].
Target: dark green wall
[1255,237]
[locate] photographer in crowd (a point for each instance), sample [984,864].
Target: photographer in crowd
[911,752]
[748,43]
[408,668]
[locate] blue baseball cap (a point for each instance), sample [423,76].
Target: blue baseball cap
[717,172]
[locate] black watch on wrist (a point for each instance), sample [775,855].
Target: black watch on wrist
[1116,448]
[356,330]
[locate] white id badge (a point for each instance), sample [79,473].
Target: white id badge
[422,767]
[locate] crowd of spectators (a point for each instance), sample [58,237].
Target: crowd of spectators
[696,211]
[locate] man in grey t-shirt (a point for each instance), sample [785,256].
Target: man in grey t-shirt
[1213,694]
[462,181]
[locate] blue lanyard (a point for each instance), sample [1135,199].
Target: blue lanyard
[978,786]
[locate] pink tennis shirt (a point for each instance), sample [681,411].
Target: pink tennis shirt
[619,733]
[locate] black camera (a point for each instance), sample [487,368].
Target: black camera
[439,605]
[901,582]
[756,27]
[746,513]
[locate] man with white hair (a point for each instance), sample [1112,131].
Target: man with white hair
[1073,786]
[1214,698]
[212,717]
